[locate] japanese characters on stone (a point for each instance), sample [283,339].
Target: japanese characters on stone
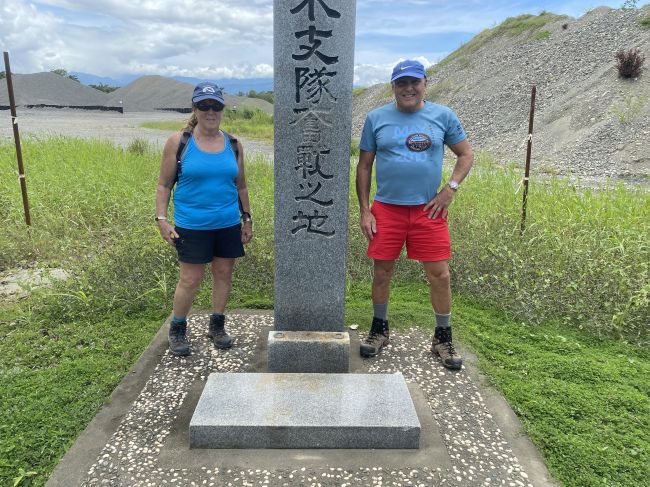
[315,69]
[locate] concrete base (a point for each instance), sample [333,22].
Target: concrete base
[309,351]
[305,411]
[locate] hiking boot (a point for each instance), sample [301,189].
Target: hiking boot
[377,338]
[217,332]
[443,347]
[177,339]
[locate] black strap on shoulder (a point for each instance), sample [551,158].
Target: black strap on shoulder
[182,147]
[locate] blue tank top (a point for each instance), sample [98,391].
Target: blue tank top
[206,196]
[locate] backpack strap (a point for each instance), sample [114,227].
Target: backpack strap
[235,149]
[180,152]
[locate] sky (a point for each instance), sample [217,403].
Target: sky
[234,38]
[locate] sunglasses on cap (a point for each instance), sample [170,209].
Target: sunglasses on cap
[204,106]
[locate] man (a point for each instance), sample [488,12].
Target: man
[407,138]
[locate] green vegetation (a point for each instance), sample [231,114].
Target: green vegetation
[263,95]
[630,108]
[358,91]
[104,87]
[511,27]
[645,22]
[582,265]
[247,122]
[542,35]
[437,91]
[64,73]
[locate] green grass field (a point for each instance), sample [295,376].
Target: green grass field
[558,317]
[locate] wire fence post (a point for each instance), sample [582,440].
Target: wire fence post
[528,151]
[19,153]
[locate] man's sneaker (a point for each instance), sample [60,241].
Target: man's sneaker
[177,339]
[217,332]
[377,338]
[443,347]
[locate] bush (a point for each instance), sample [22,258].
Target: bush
[645,21]
[629,63]
[138,146]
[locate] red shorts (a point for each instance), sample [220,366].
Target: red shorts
[426,239]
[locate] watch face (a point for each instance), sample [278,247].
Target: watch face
[453,185]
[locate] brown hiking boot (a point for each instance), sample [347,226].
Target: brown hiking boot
[443,347]
[377,338]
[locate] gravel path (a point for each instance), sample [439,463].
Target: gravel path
[135,455]
[119,128]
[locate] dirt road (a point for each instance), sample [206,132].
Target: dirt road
[119,128]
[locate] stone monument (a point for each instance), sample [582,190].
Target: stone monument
[314,69]
[307,399]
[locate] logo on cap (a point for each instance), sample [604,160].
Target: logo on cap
[209,89]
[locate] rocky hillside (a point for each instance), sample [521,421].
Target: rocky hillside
[589,123]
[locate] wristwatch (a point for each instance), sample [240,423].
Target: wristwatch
[159,218]
[246,217]
[453,185]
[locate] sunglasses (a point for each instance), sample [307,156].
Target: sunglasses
[205,106]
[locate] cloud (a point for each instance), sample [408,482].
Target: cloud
[372,74]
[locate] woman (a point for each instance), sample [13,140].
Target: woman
[210,190]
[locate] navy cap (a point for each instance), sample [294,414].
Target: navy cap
[414,69]
[207,91]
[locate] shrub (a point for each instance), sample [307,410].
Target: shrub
[542,35]
[138,146]
[645,21]
[629,63]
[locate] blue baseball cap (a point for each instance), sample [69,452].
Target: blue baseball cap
[410,68]
[207,90]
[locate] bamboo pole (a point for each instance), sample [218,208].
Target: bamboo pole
[528,152]
[19,153]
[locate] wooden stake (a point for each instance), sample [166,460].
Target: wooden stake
[19,154]
[528,151]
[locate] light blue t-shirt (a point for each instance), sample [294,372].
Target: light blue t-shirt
[409,148]
[206,196]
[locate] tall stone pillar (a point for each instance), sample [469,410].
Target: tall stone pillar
[314,68]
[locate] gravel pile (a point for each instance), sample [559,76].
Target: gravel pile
[589,123]
[50,89]
[146,94]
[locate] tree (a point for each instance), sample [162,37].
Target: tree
[104,87]
[3,75]
[64,73]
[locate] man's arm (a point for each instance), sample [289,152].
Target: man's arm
[364,175]
[464,162]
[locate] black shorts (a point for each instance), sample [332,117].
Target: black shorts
[202,246]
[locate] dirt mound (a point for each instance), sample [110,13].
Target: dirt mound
[51,89]
[589,123]
[146,94]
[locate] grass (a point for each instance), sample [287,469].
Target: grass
[645,22]
[252,123]
[523,305]
[511,27]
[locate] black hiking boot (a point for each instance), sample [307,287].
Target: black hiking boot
[177,339]
[217,332]
[377,338]
[443,347]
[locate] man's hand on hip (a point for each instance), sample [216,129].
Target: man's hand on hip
[368,224]
[439,204]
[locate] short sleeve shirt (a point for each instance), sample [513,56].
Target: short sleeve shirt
[409,148]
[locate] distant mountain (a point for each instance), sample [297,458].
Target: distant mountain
[230,85]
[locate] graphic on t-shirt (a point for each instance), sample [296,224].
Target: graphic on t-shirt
[418,142]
